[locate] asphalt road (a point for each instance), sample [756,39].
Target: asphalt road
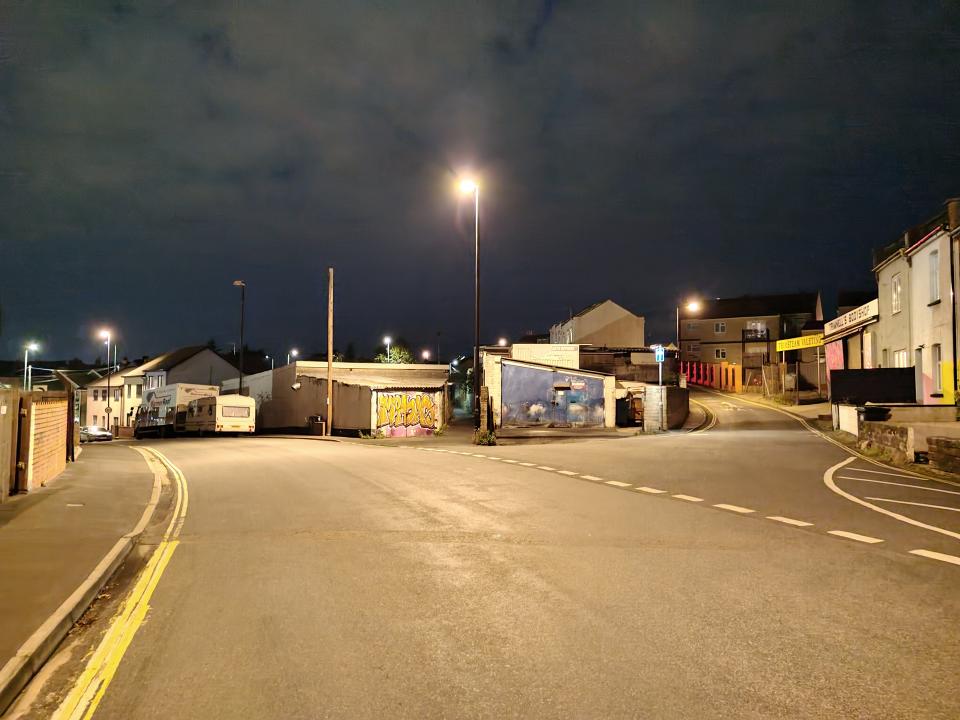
[348,580]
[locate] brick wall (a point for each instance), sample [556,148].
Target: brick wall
[896,439]
[48,448]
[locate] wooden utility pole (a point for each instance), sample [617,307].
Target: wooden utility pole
[330,351]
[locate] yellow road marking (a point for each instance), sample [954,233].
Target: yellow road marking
[88,691]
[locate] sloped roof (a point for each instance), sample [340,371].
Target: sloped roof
[595,305]
[755,305]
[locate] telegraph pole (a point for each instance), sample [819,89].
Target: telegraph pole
[330,351]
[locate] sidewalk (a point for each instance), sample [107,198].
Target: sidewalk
[54,538]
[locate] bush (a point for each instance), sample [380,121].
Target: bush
[484,437]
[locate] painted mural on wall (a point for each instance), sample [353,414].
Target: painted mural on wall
[402,414]
[542,397]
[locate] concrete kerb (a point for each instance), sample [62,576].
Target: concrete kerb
[30,657]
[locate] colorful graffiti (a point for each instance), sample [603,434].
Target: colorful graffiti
[406,413]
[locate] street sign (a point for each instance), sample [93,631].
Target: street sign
[108,409]
[798,343]
[659,354]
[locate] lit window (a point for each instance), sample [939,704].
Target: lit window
[900,359]
[895,293]
[937,375]
[934,276]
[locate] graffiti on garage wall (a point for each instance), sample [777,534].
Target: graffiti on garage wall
[406,413]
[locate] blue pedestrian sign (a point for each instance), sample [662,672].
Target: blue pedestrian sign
[659,354]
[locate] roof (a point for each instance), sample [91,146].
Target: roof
[755,305]
[591,308]
[171,359]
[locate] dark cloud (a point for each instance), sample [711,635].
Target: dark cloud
[151,153]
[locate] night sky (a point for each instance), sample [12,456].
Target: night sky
[151,153]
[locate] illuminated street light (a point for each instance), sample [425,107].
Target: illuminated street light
[425,355]
[502,342]
[470,186]
[387,341]
[690,306]
[27,349]
[267,357]
[292,354]
[107,335]
[243,301]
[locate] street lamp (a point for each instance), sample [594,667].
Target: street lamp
[387,341]
[690,306]
[468,186]
[425,355]
[243,297]
[267,357]
[106,411]
[292,354]
[27,349]
[502,342]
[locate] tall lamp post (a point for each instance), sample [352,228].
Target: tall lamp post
[243,297]
[468,186]
[691,306]
[267,357]
[292,354]
[105,334]
[27,349]
[386,341]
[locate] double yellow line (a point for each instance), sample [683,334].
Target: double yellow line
[85,697]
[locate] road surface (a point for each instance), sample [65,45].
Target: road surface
[708,575]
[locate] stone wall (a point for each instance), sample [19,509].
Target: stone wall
[897,440]
[944,453]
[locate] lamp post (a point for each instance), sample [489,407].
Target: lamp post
[292,354]
[691,306]
[243,297]
[425,355]
[502,342]
[468,186]
[27,349]
[386,341]
[267,357]
[106,411]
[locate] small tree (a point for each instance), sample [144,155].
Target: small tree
[398,354]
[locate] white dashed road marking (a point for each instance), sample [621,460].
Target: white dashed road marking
[854,536]
[527,464]
[567,472]
[734,508]
[592,477]
[512,462]
[688,498]
[545,467]
[617,483]
[652,491]
[937,556]
[491,457]
[789,521]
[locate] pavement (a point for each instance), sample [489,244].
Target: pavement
[750,570]
[53,539]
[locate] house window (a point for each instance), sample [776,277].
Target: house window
[720,328]
[886,358]
[692,327]
[900,359]
[720,353]
[937,375]
[129,391]
[935,276]
[94,419]
[895,293]
[96,394]
[139,390]
[116,395]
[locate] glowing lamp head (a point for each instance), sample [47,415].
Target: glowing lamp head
[32,347]
[693,305]
[502,342]
[425,354]
[239,283]
[294,352]
[468,186]
[105,334]
[386,340]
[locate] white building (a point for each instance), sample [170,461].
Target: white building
[604,324]
[916,280]
[196,364]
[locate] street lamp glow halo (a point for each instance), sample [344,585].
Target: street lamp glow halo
[294,352]
[105,334]
[468,185]
[32,347]
[693,305]
[386,340]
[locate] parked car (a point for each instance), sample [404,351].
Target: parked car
[94,433]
